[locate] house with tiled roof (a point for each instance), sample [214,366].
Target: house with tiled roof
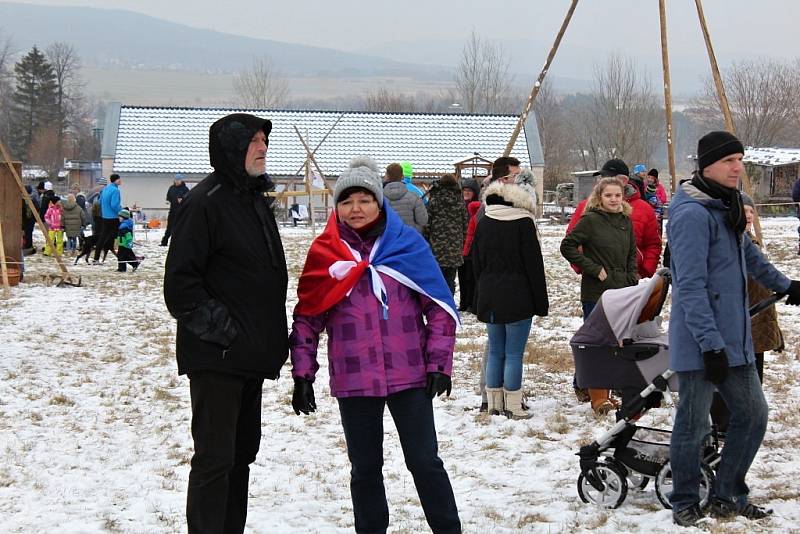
[147,146]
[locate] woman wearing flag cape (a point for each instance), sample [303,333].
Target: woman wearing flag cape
[372,283]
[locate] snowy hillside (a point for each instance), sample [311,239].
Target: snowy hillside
[94,421]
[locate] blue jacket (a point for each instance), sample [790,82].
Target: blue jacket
[414,189]
[110,203]
[709,272]
[125,233]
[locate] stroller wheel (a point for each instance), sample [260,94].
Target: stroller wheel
[610,478]
[664,484]
[637,481]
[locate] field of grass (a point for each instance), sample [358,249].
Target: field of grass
[183,88]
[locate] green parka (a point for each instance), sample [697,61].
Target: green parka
[607,242]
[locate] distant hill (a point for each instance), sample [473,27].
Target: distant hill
[112,38]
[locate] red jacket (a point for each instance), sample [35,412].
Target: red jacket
[472,209]
[645,230]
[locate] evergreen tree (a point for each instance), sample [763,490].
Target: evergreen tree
[35,102]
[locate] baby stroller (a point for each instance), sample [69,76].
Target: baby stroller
[621,346]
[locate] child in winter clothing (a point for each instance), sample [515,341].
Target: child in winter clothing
[125,253]
[75,220]
[55,227]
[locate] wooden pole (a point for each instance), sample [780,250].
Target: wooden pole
[667,92]
[321,140]
[725,106]
[27,198]
[310,193]
[3,268]
[536,86]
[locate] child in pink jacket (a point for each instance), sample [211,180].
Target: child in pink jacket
[55,227]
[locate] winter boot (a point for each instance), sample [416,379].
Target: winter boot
[494,396]
[601,403]
[513,402]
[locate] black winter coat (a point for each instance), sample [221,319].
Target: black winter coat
[225,276]
[507,262]
[176,194]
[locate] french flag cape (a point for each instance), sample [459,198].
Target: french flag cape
[333,268]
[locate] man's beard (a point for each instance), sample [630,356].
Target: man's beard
[256,169]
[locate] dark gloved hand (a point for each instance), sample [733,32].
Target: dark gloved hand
[211,322]
[794,293]
[437,384]
[653,400]
[303,396]
[716,363]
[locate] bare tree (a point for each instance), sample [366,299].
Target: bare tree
[66,66]
[554,135]
[45,151]
[482,79]
[261,86]
[764,97]
[386,100]
[6,86]
[621,118]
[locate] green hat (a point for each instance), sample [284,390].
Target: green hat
[408,170]
[125,214]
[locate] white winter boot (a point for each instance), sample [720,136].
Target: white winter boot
[495,398]
[513,405]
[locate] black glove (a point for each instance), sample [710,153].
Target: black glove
[303,396]
[716,363]
[794,293]
[437,384]
[211,322]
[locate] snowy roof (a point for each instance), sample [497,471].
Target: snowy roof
[169,140]
[772,157]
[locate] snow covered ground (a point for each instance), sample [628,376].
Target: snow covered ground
[94,421]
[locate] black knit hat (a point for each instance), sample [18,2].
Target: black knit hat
[714,146]
[613,167]
[653,172]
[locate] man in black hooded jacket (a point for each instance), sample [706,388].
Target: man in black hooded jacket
[225,283]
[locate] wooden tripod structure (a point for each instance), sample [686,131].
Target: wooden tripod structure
[308,181]
[65,276]
[722,97]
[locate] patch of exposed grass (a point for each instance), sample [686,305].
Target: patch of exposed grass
[61,400]
[161,394]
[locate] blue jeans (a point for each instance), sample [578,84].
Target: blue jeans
[412,411]
[587,308]
[742,393]
[506,346]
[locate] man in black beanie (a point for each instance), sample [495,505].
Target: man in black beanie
[710,340]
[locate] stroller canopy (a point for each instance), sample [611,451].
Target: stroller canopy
[619,311]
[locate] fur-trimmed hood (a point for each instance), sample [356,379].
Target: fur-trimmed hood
[517,195]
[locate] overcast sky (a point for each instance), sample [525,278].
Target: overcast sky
[740,29]
[770,26]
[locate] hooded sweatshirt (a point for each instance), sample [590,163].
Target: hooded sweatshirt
[225,276]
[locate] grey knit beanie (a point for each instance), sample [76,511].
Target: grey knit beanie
[362,173]
[747,200]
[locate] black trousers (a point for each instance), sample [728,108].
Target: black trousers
[449,274]
[226,428]
[466,284]
[170,224]
[27,233]
[412,411]
[126,257]
[720,415]
[108,233]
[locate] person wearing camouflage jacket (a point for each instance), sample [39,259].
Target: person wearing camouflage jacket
[447,226]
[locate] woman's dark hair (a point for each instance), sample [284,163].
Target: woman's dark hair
[350,190]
